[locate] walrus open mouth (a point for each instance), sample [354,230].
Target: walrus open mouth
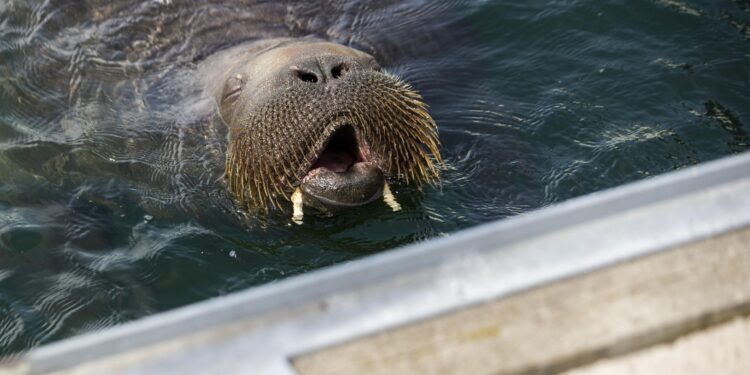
[342,175]
[341,151]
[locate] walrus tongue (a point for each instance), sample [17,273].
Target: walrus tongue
[335,160]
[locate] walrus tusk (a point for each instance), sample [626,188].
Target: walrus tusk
[389,199]
[297,206]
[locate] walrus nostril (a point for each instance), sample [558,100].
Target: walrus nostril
[306,76]
[339,70]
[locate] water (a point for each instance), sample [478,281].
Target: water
[110,207]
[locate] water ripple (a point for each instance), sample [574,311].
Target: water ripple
[112,203]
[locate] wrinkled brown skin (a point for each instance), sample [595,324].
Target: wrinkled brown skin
[245,78]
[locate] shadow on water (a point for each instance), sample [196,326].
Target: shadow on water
[111,200]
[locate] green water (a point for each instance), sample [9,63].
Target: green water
[111,202]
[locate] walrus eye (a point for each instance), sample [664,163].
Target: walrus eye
[233,87]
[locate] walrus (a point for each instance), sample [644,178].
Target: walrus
[317,123]
[237,114]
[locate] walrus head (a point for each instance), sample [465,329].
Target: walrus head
[325,119]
